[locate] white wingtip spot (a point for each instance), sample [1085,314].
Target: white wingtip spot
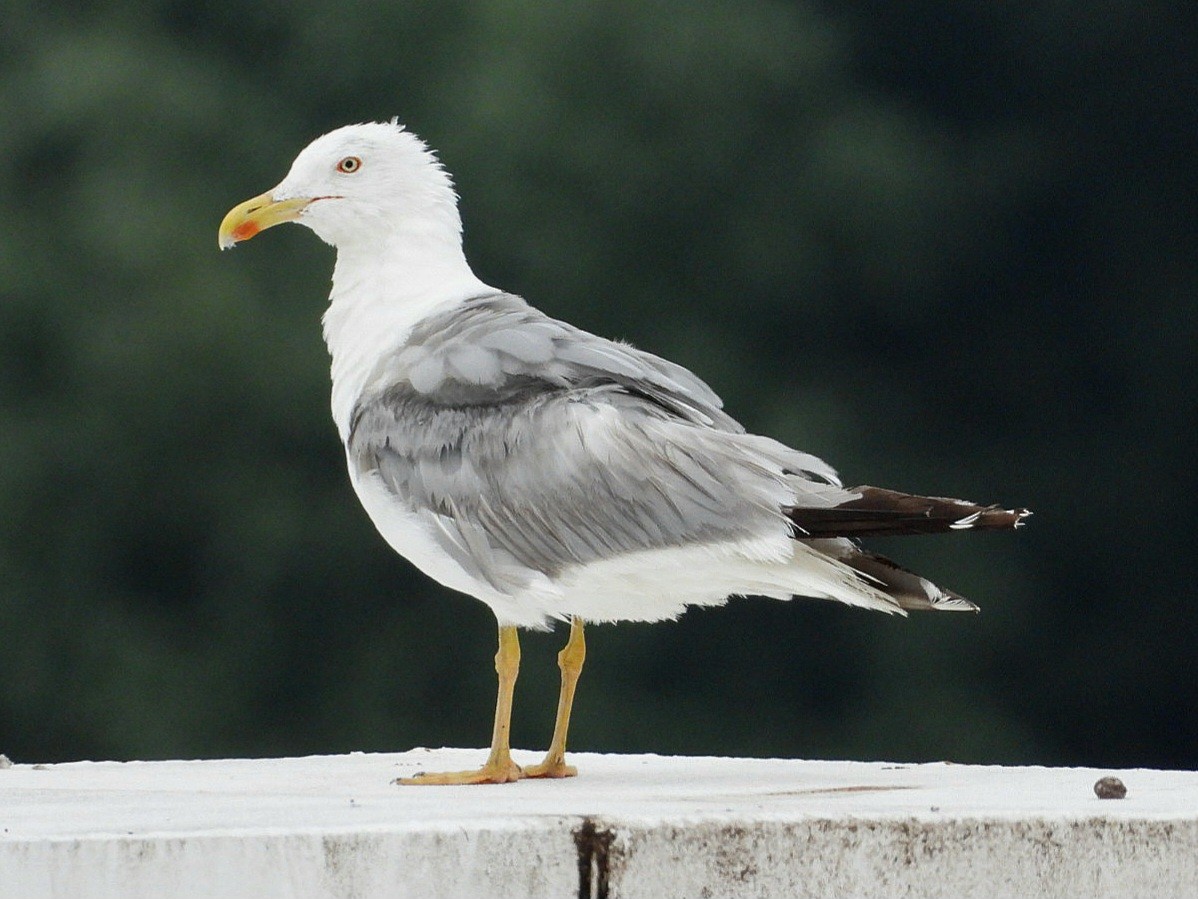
[967,522]
[943,601]
[954,604]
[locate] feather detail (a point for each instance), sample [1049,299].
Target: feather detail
[877,512]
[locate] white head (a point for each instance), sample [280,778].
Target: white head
[357,187]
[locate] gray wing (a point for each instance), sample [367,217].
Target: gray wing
[529,445]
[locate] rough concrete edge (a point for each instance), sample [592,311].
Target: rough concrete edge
[1098,856]
[614,858]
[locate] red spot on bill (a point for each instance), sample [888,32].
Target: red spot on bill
[245,230]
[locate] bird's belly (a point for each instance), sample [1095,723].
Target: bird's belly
[408,536]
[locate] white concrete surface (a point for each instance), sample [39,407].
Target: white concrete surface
[628,827]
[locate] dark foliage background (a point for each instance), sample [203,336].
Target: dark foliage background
[949,245]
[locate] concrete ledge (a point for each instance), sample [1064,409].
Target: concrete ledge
[629,826]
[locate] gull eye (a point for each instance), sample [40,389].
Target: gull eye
[349,165]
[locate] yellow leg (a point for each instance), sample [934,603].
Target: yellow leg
[499,767]
[570,660]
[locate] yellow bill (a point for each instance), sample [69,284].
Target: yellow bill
[257,214]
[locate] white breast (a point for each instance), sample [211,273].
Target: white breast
[376,300]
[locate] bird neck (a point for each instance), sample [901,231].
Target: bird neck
[380,292]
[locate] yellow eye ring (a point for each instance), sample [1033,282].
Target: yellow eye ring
[349,165]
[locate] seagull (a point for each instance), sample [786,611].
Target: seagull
[550,473]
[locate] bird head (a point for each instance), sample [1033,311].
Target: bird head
[356,184]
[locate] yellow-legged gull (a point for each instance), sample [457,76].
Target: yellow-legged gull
[550,473]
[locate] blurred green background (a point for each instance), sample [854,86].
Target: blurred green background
[949,245]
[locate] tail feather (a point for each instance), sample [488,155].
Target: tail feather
[908,590]
[877,512]
[874,512]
